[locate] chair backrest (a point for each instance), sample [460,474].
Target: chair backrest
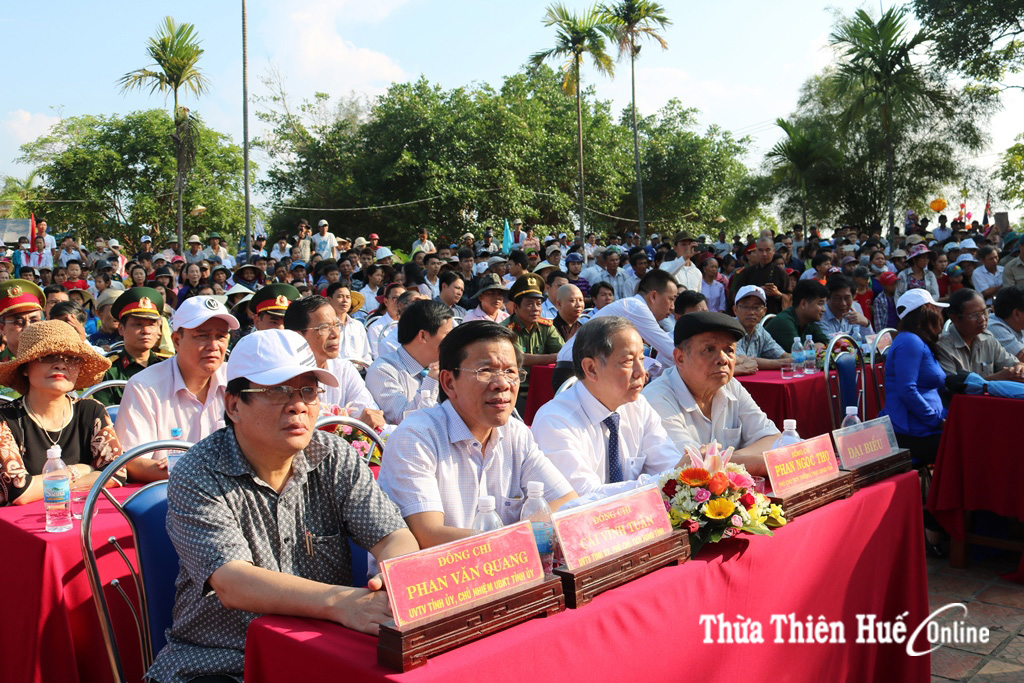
[846,387]
[113,350]
[384,330]
[765,319]
[359,363]
[112,412]
[566,384]
[146,512]
[108,384]
[879,346]
[357,426]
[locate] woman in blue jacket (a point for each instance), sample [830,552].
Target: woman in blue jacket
[913,380]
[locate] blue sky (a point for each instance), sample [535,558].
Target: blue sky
[741,63]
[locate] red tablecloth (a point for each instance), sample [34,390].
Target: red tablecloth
[49,628]
[864,555]
[979,465]
[540,391]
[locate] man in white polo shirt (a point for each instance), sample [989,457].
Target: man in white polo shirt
[184,392]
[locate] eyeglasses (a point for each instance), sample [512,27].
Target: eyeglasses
[325,329]
[754,307]
[488,375]
[282,394]
[70,362]
[21,322]
[975,317]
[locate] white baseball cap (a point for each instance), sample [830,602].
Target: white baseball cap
[968,244]
[113,243]
[382,253]
[751,290]
[196,310]
[913,299]
[965,258]
[274,356]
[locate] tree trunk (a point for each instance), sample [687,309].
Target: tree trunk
[245,135]
[889,163]
[579,139]
[636,149]
[179,180]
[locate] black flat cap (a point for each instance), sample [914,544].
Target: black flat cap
[706,321]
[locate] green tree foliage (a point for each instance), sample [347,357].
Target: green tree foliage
[16,194]
[982,39]
[1011,172]
[797,157]
[124,165]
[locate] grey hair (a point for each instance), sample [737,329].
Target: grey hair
[594,340]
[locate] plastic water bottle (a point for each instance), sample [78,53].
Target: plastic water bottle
[486,518]
[56,491]
[851,417]
[798,356]
[788,436]
[174,456]
[810,357]
[537,512]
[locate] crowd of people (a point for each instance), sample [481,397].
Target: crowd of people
[241,357]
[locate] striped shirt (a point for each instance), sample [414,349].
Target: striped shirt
[399,384]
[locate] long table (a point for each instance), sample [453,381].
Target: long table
[863,555]
[49,627]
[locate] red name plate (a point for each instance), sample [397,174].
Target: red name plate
[431,583]
[611,526]
[801,465]
[864,443]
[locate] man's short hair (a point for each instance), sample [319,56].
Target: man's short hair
[985,251]
[656,280]
[72,307]
[54,289]
[1008,300]
[519,258]
[423,315]
[432,256]
[960,298]
[806,290]
[838,282]
[452,353]
[596,341]
[296,316]
[596,288]
[73,261]
[687,299]
[554,275]
[447,277]
[636,255]
[465,253]
[819,259]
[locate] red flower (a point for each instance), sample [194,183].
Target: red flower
[729,532]
[692,526]
[670,488]
[747,500]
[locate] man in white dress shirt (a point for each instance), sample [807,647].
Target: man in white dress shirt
[406,378]
[315,319]
[682,268]
[185,391]
[602,430]
[699,400]
[446,456]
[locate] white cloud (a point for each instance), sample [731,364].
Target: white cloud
[20,126]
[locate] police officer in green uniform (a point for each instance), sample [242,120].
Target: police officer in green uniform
[138,315]
[269,304]
[536,337]
[21,304]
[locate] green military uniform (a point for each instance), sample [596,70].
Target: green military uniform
[543,338]
[142,302]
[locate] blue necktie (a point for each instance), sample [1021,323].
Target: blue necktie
[614,461]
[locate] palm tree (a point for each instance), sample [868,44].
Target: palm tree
[16,194]
[798,157]
[577,36]
[632,21]
[877,72]
[176,52]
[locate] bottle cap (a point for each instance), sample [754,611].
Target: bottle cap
[796,340]
[175,432]
[789,425]
[485,503]
[851,410]
[53,451]
[535,488]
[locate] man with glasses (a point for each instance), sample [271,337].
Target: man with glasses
[407,378]
[185,392]
[467,447]
[261,514]
[21,304]
[756,344]
[967,346]
[315,319]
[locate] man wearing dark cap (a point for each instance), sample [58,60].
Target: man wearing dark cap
[489,300]
[701,400]
[21,304]
[536,337]
[137,312]
[268,306]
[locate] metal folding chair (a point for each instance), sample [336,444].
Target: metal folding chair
[847,385]
[108,384]
[765,319]
[114,349]
[146,512]
[876,359]
[359,363]
[566,384]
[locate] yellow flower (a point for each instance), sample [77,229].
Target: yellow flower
[775,518]
[719,508]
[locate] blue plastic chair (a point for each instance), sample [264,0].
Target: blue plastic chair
[146,514]
[846,386]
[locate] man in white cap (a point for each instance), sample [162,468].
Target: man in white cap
[756,344]
[261,514]
[185,392]
[324,242]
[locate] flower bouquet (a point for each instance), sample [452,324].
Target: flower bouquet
[361,443]
[715,499]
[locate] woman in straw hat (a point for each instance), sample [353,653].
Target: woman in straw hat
[52,360]
[354,342]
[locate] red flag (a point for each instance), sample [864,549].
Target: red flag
[988,210]
[32,231]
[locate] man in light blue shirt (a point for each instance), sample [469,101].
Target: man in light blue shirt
[842,314]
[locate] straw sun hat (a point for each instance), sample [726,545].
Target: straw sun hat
[52,336]
[358,301]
